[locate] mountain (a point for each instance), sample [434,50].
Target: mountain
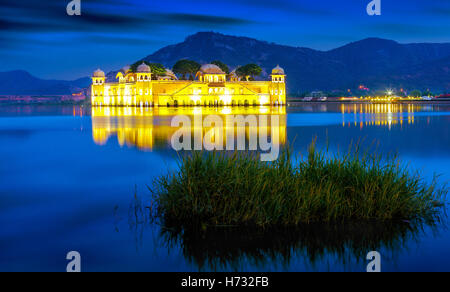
[374,62]
[23,83]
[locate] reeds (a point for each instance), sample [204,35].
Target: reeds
[219,189]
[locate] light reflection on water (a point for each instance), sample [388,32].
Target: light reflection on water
[147,128]
[65,170]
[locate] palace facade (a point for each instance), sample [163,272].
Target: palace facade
[212,87]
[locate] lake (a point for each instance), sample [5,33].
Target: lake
[68,176]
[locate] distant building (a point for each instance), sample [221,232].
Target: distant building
[212,88]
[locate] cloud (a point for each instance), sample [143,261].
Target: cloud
[117,39]
[290,6]
[201,20]
[439,11]
[101,16]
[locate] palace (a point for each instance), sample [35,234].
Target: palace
[212,87]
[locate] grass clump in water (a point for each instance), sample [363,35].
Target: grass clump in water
[218,189]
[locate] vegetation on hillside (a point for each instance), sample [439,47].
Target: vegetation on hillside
[186,68]
[249,71]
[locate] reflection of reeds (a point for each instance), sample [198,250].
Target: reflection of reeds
[217,189]
[276,247]
[231,248]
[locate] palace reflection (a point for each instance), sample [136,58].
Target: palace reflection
[150,128]
[379,114]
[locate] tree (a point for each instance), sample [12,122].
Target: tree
[427,93]
[222,66]
[186,67]
[415,93]
[249,70]
[157,69]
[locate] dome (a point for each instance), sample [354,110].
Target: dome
[144,68]
[170,74]
[211,69]
[99,73]
[126,69]
[278,70]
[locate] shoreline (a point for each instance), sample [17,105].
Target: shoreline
[301,103]
[293,103]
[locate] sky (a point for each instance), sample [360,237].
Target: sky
[39,36]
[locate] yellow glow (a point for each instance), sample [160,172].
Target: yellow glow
[137,127]
[135,90]
[195,98]
[226,111]
[263,100]
[226,99]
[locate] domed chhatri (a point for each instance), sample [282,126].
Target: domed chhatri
[278,75]
[234,77]
[278,71]
[170,74]
[144,68]
[126,69]
[211,69]
[212,74]
[99,73]
[211,86]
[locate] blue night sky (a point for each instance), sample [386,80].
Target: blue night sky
[38,36]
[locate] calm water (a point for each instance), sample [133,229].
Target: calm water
[68,176]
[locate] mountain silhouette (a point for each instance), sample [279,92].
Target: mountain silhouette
[376,63]
[20,82]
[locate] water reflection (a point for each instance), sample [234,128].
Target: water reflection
[380,114]
[347,245]
[150,128]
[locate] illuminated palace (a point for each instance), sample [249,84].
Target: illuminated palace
[212,87]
